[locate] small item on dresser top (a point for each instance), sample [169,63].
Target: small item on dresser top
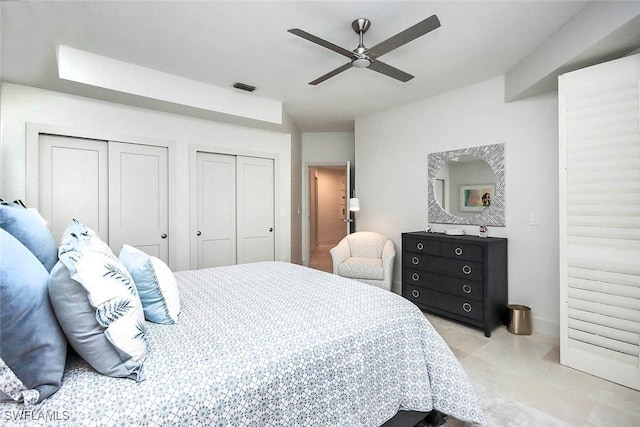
[454,231]
[484,231]
[428,229]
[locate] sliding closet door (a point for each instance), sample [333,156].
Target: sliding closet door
[600,220]
[255,209]
[216,210]
[118,190]
[138,195]
[73,183]
[234,205]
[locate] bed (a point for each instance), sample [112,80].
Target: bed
[270,344]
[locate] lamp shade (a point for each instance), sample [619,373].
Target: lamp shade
[354,204]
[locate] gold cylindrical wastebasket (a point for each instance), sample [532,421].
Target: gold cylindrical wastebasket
[519,319]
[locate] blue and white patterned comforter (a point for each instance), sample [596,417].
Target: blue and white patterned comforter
[272,344]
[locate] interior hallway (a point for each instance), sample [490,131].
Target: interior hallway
[320,258]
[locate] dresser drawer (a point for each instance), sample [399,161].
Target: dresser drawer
[450,267]
[451,285]
[461,251]
[428,298]
[422,246]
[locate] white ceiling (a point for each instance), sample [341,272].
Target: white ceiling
[220,43]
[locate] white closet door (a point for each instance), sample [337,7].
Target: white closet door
[138,195]
[600,220]
[255,209]
[216,210]
[73,183]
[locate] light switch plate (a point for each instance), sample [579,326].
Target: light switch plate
[534,218]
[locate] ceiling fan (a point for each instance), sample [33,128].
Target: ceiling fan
[363,57]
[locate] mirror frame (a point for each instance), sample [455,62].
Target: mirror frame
[493,215]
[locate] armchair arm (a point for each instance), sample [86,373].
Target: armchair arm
[388,258]
[339,254]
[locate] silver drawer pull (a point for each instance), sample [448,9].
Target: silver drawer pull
[466,269]
[415,277]
[415,293]
[458,251]
[420,246]
[415,260]
[466,288]
[466,307]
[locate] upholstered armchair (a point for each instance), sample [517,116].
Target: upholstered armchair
[365,256]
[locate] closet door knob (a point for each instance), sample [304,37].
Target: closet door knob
[270,229]
[163,235]
[199,233]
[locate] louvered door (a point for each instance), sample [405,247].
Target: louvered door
[600,220]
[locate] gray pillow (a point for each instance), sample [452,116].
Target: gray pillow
[29,228]
[97,304]
[78,320]
[33,346]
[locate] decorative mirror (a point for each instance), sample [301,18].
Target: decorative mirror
[466,186]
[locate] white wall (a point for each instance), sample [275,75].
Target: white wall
[22,105]
[296,188]
[392,151]
[321,149]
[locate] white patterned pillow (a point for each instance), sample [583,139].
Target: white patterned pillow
[156,285]
[97,304]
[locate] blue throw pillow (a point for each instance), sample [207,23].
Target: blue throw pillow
[33,346]
[29,228]
[156,285]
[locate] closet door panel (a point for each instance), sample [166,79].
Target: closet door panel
[216,210]
[255,209]
[73,183]
[138,194]
[600,220]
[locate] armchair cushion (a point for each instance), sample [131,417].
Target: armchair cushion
[362,268]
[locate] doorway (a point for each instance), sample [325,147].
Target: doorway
[329,219]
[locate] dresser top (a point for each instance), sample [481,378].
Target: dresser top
[464,237]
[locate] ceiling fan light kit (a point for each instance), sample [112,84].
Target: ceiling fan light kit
[362,57]
[361,62]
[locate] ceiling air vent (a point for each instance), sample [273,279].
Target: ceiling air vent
[243,86]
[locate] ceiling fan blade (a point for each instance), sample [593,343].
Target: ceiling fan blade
[390,71]
[331,74]
[317,40]
[411,33]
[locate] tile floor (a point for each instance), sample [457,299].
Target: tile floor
[526,369]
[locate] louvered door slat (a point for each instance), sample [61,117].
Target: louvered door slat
[600,220]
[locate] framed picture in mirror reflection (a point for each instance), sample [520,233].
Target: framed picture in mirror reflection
[475,198]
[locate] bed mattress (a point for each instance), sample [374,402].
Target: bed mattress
[271,344]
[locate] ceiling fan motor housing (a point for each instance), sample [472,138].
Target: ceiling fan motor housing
[361,57]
